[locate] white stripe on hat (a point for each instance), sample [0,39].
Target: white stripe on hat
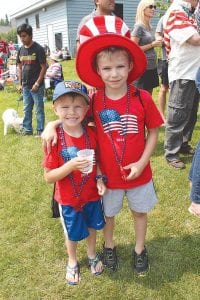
[110,24]
[124,29]
[92,27]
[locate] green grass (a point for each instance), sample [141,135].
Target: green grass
[32,253]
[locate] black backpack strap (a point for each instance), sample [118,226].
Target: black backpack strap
[138,94]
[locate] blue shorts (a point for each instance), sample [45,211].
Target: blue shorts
[76,223]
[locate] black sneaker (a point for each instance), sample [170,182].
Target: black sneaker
[187,149]
[38,134]
[141,264]
[110,259]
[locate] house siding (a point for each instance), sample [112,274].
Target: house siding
[65,15]
[55,15]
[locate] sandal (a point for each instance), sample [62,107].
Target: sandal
[193,212]
[93,262]
[73,272]
[177,164]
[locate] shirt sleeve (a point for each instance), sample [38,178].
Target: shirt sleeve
[137,31]
[180,28]
[181,36]
[51,160]
[41,55]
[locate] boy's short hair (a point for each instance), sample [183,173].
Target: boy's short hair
[25,28]
[71,87]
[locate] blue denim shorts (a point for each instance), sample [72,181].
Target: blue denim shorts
[76,223]
[194,176]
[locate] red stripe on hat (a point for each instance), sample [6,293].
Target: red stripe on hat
[118,26]
[85,31]
[100,24]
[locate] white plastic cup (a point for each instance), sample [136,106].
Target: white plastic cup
[159,38]
[89,155]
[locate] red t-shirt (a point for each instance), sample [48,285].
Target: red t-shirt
[3,47]
[121,133]
[66,190]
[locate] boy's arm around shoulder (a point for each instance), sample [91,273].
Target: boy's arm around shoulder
[49,135]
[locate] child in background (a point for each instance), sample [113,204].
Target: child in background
[54,71]
[122,115]
[78,194]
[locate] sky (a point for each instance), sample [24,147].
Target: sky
[10,6]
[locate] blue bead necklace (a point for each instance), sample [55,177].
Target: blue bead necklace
[119,156]
[77,186]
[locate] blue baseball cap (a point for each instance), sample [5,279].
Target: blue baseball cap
[68,87]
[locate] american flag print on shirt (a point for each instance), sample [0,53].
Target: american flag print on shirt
[113,121]
[177,20]
[69,153]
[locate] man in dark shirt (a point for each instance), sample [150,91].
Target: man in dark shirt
[31,60]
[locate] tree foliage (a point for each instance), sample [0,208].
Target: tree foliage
[163,6]
[5,22]
[11,35]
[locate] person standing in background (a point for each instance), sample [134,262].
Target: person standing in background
[12,49]
[182,43]
[164,87]
[4,51]
[31,60]
[103,8]
[47,50]
[143,35]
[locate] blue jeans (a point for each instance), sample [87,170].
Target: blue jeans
[30,98]
[194,176]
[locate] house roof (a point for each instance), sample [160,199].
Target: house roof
[32,6]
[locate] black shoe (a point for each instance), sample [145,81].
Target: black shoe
[141,264]
[110,259]
[38,133]
[187,149]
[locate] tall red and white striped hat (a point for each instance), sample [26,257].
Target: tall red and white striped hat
[101,32]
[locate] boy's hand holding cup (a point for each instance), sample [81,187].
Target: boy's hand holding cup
[88,154]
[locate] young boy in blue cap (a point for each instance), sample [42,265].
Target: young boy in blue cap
[78,194]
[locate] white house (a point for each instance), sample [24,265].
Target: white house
[55,22]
